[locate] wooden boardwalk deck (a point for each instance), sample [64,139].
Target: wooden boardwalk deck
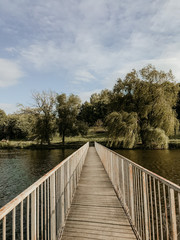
[96,212]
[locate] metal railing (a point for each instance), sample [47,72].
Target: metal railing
[40,211]
[151,202]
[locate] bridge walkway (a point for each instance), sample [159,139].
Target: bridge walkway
[96,212]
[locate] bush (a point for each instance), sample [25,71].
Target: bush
[155,138]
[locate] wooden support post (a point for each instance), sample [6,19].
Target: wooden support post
[145,206]
[14,224]
[4,228]
[111,168]
[33,215]
[123,182]
[62,220]
[68,186]
[131,193]
[52,209]
[37,213]
[173,215]
[22,221]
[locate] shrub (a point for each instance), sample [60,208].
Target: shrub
[155,138]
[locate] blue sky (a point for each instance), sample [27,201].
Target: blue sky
[82,46]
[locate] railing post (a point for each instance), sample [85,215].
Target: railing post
[4,228]
[131,193]
[62,196]
[173,215]
[145,206]
[33,215]
[68,186]
[111,167]
[123,182]
[52,204]
[116,174]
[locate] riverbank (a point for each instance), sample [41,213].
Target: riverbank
[94,135]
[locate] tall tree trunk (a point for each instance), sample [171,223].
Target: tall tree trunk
[63,138]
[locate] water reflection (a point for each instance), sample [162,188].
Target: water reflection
[166,163]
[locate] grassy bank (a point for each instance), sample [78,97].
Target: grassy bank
[94,134]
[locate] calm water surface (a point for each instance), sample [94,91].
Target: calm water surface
[21,168]
[166,163]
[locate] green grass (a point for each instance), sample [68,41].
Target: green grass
[97,134]
[94,134]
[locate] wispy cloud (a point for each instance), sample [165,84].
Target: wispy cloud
[93,42]
[8,108]
[10,73]
[83,76]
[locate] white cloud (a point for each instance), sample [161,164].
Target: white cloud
[85,95]
[8,108]
[41,54]
[10,73]
[95,40]
[83,76]
[167,17]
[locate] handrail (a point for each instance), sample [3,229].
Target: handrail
[151,202]
[40,203]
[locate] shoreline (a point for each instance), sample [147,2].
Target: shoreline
[69,145]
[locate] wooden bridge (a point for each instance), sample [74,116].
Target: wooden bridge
[96,212]
[95,194]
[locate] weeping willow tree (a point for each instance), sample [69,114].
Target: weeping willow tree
[152,95]
[155,138]
[122,129]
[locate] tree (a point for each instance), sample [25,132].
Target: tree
[178,106]
[68,109]
[97,109]
[3,118]
[101,105]
[152,94]
[122,128]
[42,115]
[86,113]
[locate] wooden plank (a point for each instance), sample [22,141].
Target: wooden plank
[100,231]
[101,226]
[81,235]
[96,212]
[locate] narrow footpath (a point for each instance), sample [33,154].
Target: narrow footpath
[96,212]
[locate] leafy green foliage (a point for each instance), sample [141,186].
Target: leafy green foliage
[122,128]
[178,105]
[155,138]
[68,109]
[143,106]
[86,113]
[3,118]
[42,116]
[97,109]
[152,94]
[15,126]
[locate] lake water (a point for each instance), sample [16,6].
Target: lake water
[21,168]
[166,163]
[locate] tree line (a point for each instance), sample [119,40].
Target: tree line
[143,107]
[50,113]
